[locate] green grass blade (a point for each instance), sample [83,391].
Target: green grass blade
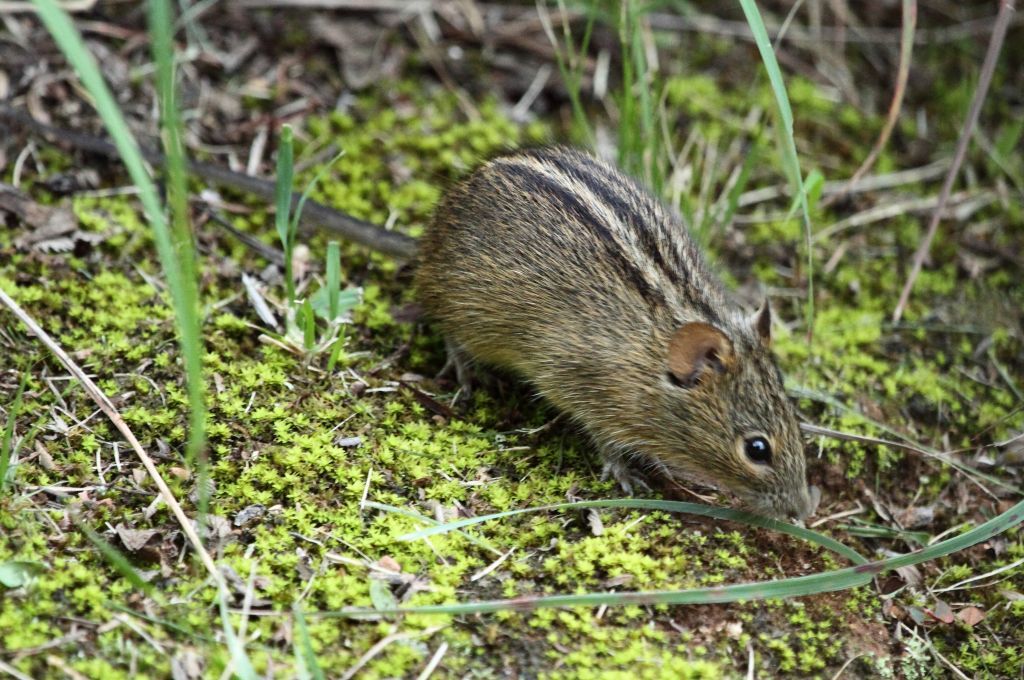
[308,325]
[791,161]
[18,573]
[116,559]
[336,349]
[404,512]
[283,206]
[663,506]
[569,65]
[838,579]
[333,278]
[183,296]
[160,27]
[239,657]
[308,190]
[7,441]
[305,657]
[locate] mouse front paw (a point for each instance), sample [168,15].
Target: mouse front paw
[629,480]
[460,363]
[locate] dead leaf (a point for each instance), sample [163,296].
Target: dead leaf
[180,472]
[134,539]
[45,459]
[596,525]
[1014,452]
[918,615]
[941,612]
[970,616]
[249,514]
[616,581]
[916,517]
[72,181]
[187,665]
[911,575]
[366,57]
[51,228]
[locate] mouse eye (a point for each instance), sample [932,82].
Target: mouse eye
[675,381]
[758,450]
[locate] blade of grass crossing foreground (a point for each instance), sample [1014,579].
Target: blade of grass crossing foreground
[7,441]
[236,647]
[183,295]
[651,504]
[116,559]
[812,584]
[305,657]
[791,161]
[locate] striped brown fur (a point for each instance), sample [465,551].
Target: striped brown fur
[553,264]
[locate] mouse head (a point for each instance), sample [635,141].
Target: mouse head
[726,418]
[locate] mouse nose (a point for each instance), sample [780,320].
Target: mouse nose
[811,499]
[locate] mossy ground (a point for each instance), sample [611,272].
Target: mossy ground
[299,448]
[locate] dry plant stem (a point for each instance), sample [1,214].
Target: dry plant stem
[108,408]
[704,23]
[381,644]
[315,215]
[820,431]
[995,46]
[12,671]
[903,73]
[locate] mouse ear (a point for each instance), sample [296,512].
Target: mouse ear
[761,321]
[695,349]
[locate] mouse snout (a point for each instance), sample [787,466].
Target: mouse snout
[798,504]
[807,502]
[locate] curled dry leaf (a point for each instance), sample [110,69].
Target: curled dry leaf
[970,616]
[134,540]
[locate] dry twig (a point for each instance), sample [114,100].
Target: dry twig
[903,72]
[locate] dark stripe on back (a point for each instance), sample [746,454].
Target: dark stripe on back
[693,292]
[538,183]
[631,218]
[644,226]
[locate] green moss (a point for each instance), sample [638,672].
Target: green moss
[276,425]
